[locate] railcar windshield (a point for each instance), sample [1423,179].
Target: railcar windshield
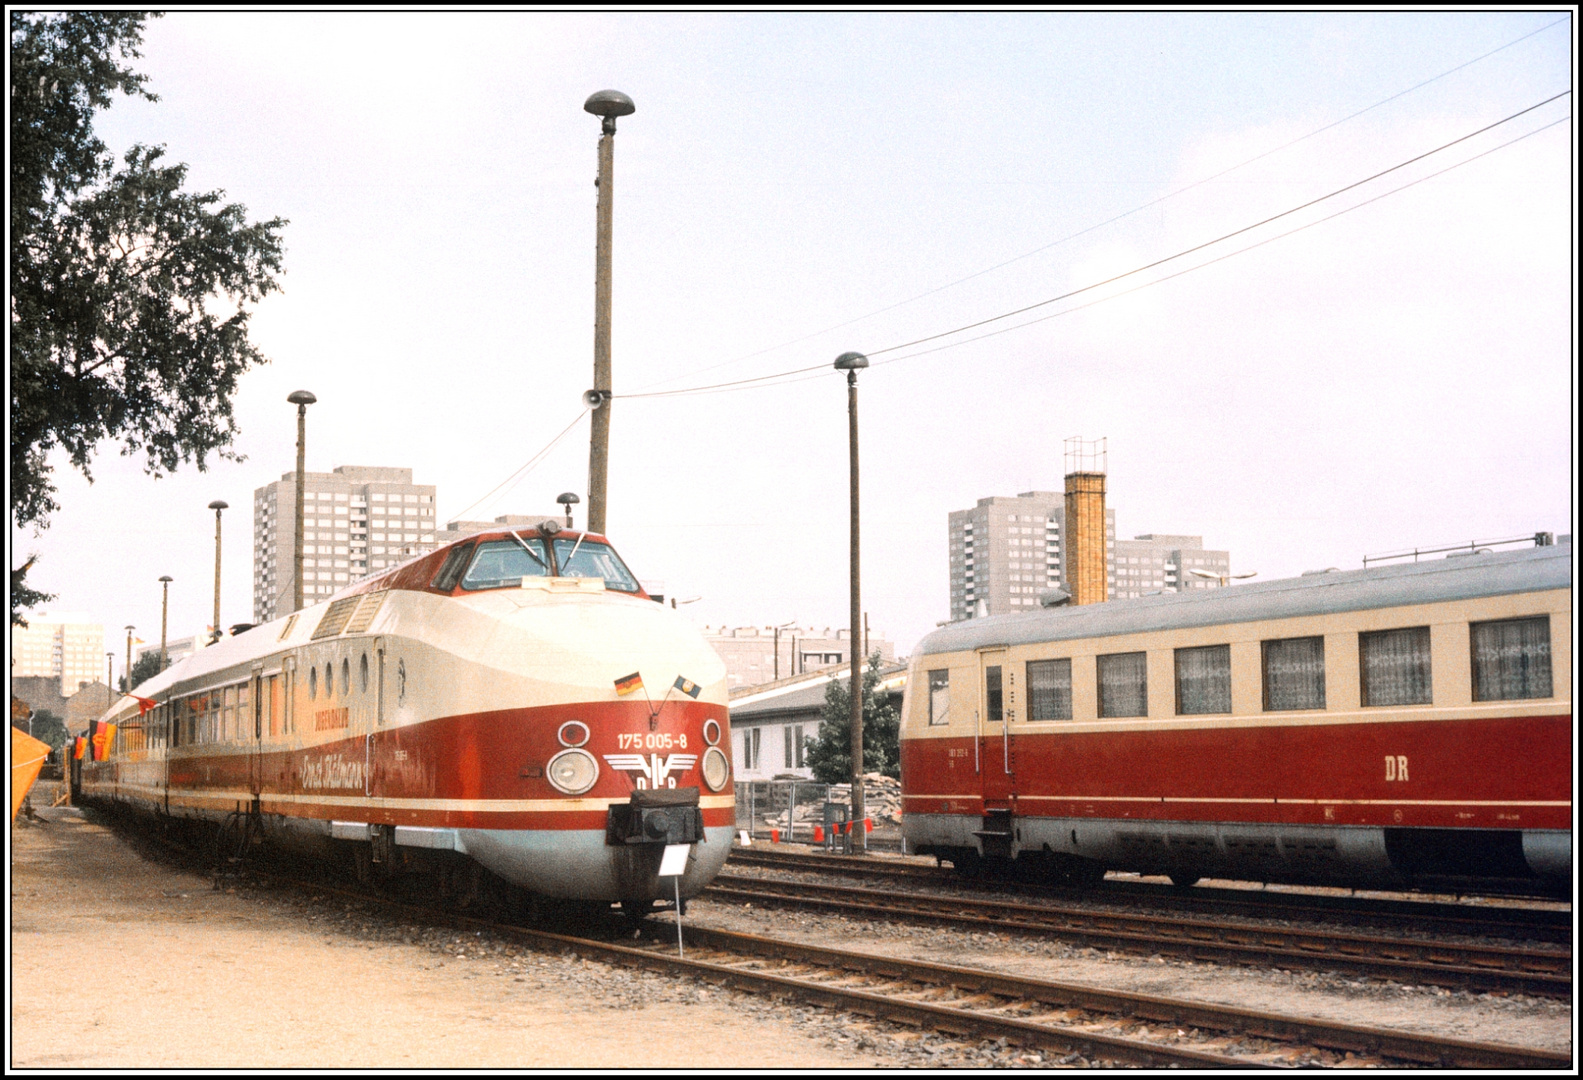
[500,563]
[590,558]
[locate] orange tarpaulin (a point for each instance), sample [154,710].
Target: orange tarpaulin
[27,758]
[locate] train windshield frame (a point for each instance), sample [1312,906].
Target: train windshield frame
[594,558]
[500,564]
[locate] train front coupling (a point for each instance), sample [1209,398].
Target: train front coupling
[660,816]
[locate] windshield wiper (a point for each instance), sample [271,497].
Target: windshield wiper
[529,550]
[567,562]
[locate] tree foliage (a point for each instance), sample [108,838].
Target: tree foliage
[46,727]
[146,668]
[22,595]
[830,753]
[129,295]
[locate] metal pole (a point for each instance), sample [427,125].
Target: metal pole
[109,671]
[217,506]
[296,529]
[856,686]
[164,619]
[599,436]
[127,671]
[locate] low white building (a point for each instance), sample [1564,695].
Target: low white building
[771,725]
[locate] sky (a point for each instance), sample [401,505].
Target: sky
[796,185]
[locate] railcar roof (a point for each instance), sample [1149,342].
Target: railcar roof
[1462,578]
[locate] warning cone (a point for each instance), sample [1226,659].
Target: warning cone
[775,836]
[818,834]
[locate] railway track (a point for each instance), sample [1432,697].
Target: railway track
[1081,1024]
[1522,923]
[1476,967]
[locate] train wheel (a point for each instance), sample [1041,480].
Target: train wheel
[637,910]
[1185,881]
[1085,873]
[966,862]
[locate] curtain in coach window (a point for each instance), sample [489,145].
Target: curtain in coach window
[1395,666]
[1203,680]
[1123,685]
[1511,659]
[1294,674]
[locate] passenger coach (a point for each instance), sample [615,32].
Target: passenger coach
[1397,726]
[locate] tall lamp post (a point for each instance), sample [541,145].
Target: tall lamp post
[217,506]
[164,620]
[109,672]
[127,671]
[852,363]
[606,104]
[302,399]
[778,629]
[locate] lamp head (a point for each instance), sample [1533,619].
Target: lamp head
[301,397]
[219,504]
[851,361]
[166,578]
[609,104]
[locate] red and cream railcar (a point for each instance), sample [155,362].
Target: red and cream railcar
[1388,727]
[514,697]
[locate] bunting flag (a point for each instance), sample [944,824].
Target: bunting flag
[93,740]
[687,686]
[79,747]
[102,740]
[27,757]
[628,683]
[144,704]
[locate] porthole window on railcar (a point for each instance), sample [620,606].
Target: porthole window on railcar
[1511,659]
[1203,680]
[1050,689]
[329,680]
[362,671]
[313,683]
[1123,685]
[1393,666]
[940,696]
[1294,673]
[346,677]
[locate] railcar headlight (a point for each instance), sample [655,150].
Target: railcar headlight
[711,731]
[573,733]
[572,771]
[717,770]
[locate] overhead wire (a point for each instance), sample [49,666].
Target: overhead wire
[766,379]
[526,467]
[1108,221]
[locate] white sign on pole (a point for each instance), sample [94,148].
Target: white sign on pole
[674,862]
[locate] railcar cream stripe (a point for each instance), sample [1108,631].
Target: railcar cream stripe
[1268,802]
[492,806]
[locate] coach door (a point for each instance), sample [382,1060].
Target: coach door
[996,749]
[255,755]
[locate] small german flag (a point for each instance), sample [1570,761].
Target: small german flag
[628,683]
[688,687]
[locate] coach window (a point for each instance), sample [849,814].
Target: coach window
[346,677]
[1294,674]
[1394,666]
[329,680]
[1203,680]
[1123,685]
[939,696]
[1049,689]
[313,683]
[1511,659]
[362,671]
[993,695]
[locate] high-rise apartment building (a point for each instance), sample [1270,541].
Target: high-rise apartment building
[1005,551]
[356,520]
[68,648]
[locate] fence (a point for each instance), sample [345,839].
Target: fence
[794,807]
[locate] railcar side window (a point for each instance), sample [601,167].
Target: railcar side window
[1394,666]
[451,569]
[313,683]
[1511,659]
[502,563]
[1294,673]
[1203,680]
[346,677]
[1123,685]
[1049,689]
[993,695]
[329,680]
[939,696]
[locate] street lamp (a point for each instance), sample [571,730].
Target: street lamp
[1224,579]
[127,675]
[302,399]
[217,506]
[607,104]
[778,629]
[164,614]
[109,671]
[851,363]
